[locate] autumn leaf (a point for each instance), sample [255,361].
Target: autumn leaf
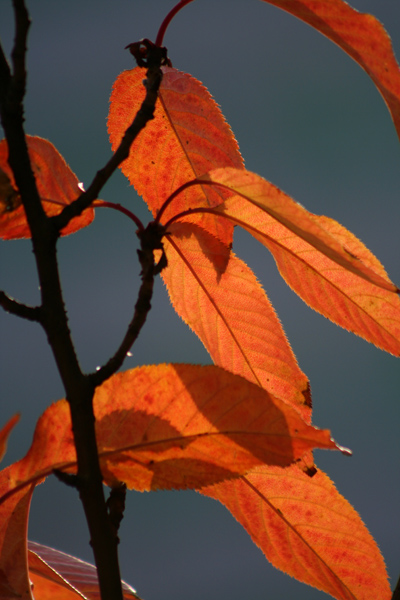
[362,36]
[220,299]
[57,186]
[308,530]
[324,263]
[187,138]
[55,574]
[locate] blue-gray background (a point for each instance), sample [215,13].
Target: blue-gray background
[308,119]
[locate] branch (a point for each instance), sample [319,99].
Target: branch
[150,239]
[145,114]
[396,593]
[31,313]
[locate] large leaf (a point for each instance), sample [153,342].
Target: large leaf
[362,36]
[187,137]
[57,186]
[321,260]
[308,530]
[173,426]
[219,297]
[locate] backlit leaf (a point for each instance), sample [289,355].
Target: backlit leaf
[187,137]
[325,264]
[57,186]
[59,576]
[173,426]
[308,530]
[362,36]
[219,297]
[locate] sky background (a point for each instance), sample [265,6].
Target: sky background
[308,119]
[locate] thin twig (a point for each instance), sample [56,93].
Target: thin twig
[31,313]
[143,116]
[150,240]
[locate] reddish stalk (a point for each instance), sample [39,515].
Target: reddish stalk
[120,208]
[168,19]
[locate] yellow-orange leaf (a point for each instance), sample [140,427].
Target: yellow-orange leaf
[59,576]
[219,297]
[308,530]
[173,426]
[362,36]
[325,264]
[187,137]
[57,186]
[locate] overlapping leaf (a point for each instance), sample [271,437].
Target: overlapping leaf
[187,138]
[57,186]
[362,36]
[321,260]
[167,426]
[308,530]
[56,575]
[219,297]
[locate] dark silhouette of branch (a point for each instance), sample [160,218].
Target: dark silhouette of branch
[396,593]
[150,239]
[45,232]
[31,313]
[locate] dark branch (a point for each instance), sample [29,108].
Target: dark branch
[150,240]
[31,313]
[396,593]
[145,114]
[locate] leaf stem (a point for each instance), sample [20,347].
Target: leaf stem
[168,19]
[120,208]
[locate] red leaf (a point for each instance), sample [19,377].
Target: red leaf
[360,35]
[187,137]
[57,186]
[308,530]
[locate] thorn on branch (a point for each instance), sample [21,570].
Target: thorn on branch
[68,478]
[116,507]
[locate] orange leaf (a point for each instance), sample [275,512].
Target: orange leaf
[57,186]
[172,426]
[293,216]
[60,576]
[357,294]
[187,137]
[308,530]
[362,36]
[219,297]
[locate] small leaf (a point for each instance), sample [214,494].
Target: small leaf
[362,36]
[60,576]
[187,137]
[57,186]
[308,530]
